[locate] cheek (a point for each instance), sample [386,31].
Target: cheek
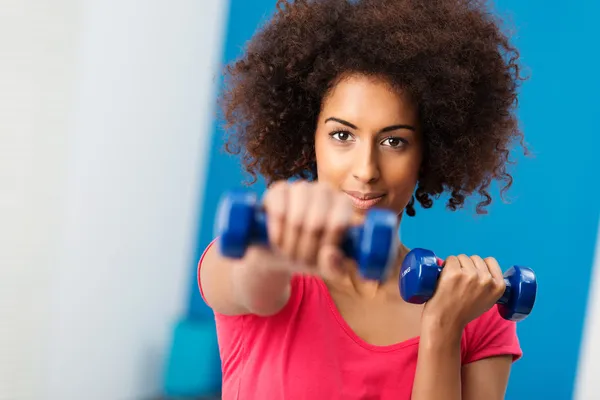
[334,163]
[403,192]
[402,179]
[331,168]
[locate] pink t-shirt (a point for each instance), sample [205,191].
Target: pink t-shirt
[308,351]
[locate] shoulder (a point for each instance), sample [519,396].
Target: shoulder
[491,335]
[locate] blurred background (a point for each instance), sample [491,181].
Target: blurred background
[111,167]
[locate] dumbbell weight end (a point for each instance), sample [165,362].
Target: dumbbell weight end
[518,298]
[421,270]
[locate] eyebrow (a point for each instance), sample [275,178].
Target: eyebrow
[386,129]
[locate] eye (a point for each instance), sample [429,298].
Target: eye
[341,136]
[394,142]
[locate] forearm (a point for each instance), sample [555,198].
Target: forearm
[438,373]
[262,291]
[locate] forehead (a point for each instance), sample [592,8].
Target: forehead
[368,98]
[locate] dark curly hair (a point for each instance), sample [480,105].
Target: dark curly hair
[450,55]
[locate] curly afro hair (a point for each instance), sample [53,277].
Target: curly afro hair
[450,55]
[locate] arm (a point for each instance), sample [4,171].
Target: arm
[243,287]
[306,222]
[486,378]
[466,286]
[439,373]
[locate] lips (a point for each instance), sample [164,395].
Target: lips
[363,200]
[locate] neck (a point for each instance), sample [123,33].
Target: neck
[374,288]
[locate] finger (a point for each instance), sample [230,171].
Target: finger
[275,201]
[494,269]
[452,263]
[481,267]
[297,203]
[498,278]
[467,264]
[314,225]
[451,273]
[338,220]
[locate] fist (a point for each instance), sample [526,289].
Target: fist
[306,222]
[467,287]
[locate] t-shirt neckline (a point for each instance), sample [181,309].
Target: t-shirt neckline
[357,339]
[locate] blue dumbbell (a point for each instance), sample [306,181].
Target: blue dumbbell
[421,270]
[241,222]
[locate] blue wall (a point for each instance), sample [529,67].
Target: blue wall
[550,225]
[244,16]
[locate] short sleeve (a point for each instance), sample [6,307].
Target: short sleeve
[225,320]
[200,266]
[236,332]
[491,335]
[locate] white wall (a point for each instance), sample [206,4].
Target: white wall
[587,385]
[105,114]
[37,56]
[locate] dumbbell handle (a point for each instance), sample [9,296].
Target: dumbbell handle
[503,299]
[349,246]
[421,271]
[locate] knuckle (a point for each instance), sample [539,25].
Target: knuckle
[294,217]
[276,189]
[494,268]
[314,225]
[279,184]
[486,281]
[452,274]
[500,285]
[294,221]
[275,197]
[452,264]
[276,212]
[451,259]
[475,258]
[336,228]
[491,262]
[300,185]
[467,261]
[453,278]
[472,277]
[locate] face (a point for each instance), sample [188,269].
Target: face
[368,144]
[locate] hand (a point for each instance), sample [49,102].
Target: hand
[306,222]
[467,287]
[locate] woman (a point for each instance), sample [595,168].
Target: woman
[372,103]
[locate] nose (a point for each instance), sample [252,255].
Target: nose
[366,165]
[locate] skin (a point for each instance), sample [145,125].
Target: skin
[367,140]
